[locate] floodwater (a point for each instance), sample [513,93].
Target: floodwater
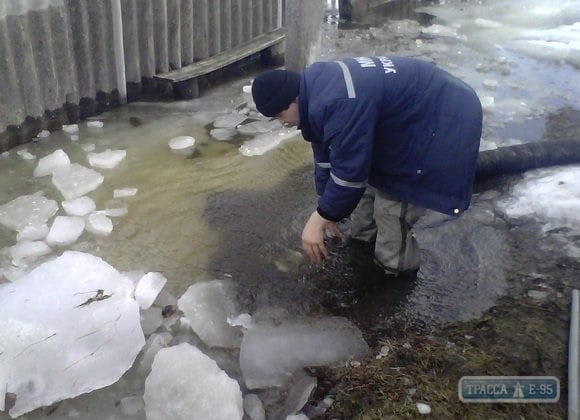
[218,214]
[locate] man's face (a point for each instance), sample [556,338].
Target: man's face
[290,117]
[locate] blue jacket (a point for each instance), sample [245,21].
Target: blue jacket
[402,125]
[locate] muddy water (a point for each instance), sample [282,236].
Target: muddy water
[218,214]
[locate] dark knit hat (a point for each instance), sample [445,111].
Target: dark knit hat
[274,90]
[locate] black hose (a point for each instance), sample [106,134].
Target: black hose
[523,157]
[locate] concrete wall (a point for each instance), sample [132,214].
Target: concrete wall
[64,60]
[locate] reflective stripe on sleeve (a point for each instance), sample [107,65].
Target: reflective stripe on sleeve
[324,165]
[347,79]
[349,184]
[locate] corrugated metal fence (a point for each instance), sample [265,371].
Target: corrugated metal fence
[62,60]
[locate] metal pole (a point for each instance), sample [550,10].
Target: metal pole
[573,358]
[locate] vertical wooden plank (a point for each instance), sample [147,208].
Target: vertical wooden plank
[146,38]
[186,17]
[246,25]
[131,41]
[257,17]
[173,34]
[213,22]
[160,36]
[201,48]
[226,23]
[267,16]
[237,22]
[78,15]
[101,45]
[11,101]
[41,48]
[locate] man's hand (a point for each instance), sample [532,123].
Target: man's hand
[313,236]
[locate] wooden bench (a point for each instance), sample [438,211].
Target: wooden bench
[183,83]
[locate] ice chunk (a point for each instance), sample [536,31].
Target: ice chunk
[260,127]
[33,233]
[267,141]
[95,124]
[25,154]
[151,319]
[440,30]
[182,144]
[423,408]
[487,24]
[124,192]
[49,163]
[68,327]
[299,394]
[242,320]
[148,288]
[27,250]
[229,120]
[65,230]
[223,134]
[271,353]
[27,210]
[254,408]
[76,180]
[153,344]
[99,224]
[107,159]
[207,306]
[80,206]
[89,147]
[185,384]
[43,134]
[118,212]
[70,128]
[560,197]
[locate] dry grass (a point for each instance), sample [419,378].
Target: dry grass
[513,338]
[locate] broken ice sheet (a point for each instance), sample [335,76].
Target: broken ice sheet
[27,210]
[208,305]
[229,120]
[107,159]
[49,163]
[272,352]
[265,142]
[76,180]
[185,384]
[70,326]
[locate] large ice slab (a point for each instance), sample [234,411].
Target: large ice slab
[27,210]
[271,353]
[68,327]
[47,164]
[207,306]
[185,384]
[76,180]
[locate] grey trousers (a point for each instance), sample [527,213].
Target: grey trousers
[388,221]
